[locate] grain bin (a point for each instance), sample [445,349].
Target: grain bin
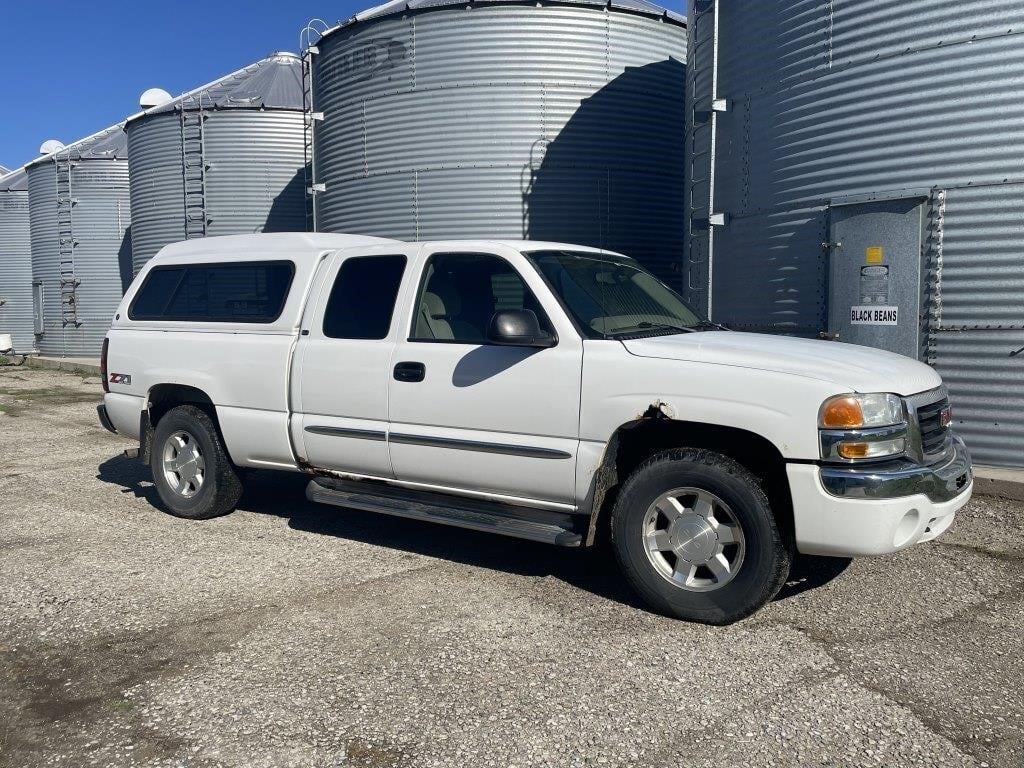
[857,169]
[81,254]
[15,262]
[226,158]
[550,120]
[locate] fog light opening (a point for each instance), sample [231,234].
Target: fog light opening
[907,528]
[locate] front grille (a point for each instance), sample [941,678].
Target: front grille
[929,422]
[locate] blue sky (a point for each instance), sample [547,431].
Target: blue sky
[72,68]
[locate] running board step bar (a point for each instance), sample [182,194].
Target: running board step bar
[477,515]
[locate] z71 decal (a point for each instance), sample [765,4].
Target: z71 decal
[120,378]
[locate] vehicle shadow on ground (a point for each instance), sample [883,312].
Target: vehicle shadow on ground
[281,494]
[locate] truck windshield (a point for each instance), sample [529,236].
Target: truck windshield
[614,297]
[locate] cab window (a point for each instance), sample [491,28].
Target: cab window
[460,293]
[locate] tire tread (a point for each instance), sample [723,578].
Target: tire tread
[221,472]
[714,614]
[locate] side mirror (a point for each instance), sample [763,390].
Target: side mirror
[518,328]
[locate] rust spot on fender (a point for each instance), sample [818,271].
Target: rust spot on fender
[659,409]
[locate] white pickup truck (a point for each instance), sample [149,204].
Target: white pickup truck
[544,391]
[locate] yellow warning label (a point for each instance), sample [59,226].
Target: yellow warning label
[875,254]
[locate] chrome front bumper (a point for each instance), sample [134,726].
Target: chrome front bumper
[940,481]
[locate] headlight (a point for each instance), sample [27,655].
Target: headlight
[862,412]
[862,427]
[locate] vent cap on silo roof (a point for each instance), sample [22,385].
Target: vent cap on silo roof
[50,146]
[398,7]
[271,83]
[154,97]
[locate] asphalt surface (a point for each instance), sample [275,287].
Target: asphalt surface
[289,634]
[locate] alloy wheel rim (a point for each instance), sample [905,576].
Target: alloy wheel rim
[184,466]
[693,540]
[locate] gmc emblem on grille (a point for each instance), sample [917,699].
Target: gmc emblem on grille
[120,378]
[946,417]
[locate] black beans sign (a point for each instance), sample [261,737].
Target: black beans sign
[868,315]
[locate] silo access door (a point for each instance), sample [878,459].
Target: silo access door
[875,274]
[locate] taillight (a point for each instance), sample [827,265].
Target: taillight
[103,365]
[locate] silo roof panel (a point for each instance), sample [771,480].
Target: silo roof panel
[271,83]
[109,144]
[14,181]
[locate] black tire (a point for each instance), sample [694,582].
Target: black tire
[764,567]
[221,486]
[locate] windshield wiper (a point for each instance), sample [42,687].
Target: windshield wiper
[707,325]
[648,326]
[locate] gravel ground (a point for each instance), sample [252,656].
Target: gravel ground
[295,635]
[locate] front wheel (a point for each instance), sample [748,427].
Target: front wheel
[695,536]
[191,470]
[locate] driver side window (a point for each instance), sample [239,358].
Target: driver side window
[459,294]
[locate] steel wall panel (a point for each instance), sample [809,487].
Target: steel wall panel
[869,98]
[255,182]
[985,388]
[157,187]
[16,270]
[554,122]
[254,177]
[102,253]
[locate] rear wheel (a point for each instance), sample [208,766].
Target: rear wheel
[695,536]
[191,470]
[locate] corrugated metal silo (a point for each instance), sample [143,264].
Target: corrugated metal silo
[226,158]
[864,150]
[81,254]
[15,262]
[552,121]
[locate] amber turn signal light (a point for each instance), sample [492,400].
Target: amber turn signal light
[842,413]
[853,450]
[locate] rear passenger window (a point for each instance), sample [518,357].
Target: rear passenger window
[250,292]
[362,301]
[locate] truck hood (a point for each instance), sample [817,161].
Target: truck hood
[851,367]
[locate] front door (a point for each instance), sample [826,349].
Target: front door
[342,361]
[465,414]
[875,275]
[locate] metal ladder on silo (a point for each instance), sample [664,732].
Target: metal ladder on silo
[66,242]
[193,165]
[310,119]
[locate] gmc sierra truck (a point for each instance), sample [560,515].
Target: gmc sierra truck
[539,390]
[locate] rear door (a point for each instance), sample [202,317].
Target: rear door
[469,415]
[343,361]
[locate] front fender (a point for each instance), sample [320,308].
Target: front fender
[619,388]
